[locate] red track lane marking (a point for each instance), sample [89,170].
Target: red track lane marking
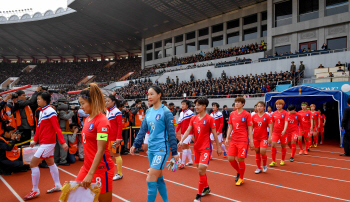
[211,193]
[123,199]
[215,172]
[12,190]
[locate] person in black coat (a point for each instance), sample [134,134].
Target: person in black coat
[226,116]
[345,125]
[209,75]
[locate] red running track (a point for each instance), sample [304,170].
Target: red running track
[320,176]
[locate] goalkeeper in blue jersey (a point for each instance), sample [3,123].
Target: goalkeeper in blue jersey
[160,124]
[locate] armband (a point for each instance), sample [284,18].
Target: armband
[102,136]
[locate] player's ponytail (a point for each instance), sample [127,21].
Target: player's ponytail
[94,96]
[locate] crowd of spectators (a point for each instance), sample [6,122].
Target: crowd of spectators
[225,86]
[10,70]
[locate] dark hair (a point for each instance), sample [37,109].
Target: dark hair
[164,102]
[138,100]
[45,96]
[216,104]
[260,102]
[20,92]
[269,106]
[158,90]
[233,104]
[348,101]
[187,102]
[291,107]
[202,101]
[8,129]
[224,106]
[171,104]
[116,102]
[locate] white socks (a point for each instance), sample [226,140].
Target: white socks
[35,178]
[184,155]
[223,147]
[189,155]
[55,176]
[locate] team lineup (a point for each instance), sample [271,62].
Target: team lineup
[102,138]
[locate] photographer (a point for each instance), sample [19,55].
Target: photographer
[9,153]
[64,115]
[24,114]
[138,111]
[73,142]
[6,115]
[125,120]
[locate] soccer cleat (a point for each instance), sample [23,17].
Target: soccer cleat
[311,145]
[308,149]
[198,198]
[211,157]
[282,163]
[272,164]
[240,182]
[225,154]
[181,166]
[55,189]
[206,191]
[31,195]
[237,177]
[291,159]
[257,171]
[315,145]
[189,163]
[264,168]
[305,152]
[117,177]
[148,169]
[321,142]
[301,152]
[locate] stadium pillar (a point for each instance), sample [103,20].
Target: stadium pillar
[4,59]
[102,58]
[269,24]
[184,42]
[225,33]
[143,52]
[196,39]
[210,38]
[241,36]
[75,59]
[34,60]
[48,60]
[88,58]
[19,60]
[322,8]
[62,60]
[116,56]
[295,11]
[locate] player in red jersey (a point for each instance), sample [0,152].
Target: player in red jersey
[201,126]
[315,115]
[261,121]
[241,126]
[322,124]
[98,166]
[45,135]
[280,120]
[304,131]
[294,123]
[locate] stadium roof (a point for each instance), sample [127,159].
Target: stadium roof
[103,27]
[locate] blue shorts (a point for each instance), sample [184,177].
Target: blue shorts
[157,160]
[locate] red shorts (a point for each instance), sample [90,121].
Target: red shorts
[239,150]
[103,179]
[315,130]
[278,136]
[293,136]
[202,157]
[260,143]
[306,133]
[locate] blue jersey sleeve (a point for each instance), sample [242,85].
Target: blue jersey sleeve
[143,130]
[169,125]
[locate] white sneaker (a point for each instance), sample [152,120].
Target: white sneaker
[117,177]
[55,189]
[264,169]
[189,163]
[257,171]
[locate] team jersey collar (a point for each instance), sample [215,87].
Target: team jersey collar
[110,109]
[43,108]
[186,110]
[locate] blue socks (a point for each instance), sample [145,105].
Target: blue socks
[162,189]
[152,191]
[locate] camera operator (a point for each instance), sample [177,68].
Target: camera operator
[73,142]
[24,114]
[6,115]
[9,153]
[125,120]
[138,111]
[64,115]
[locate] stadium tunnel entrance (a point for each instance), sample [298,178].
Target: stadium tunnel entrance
[332,103]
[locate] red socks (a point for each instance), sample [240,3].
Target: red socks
[316,138]
[290,146]
[284,152]
[264,158]
[241,169]
[300,142]
[294,149]
[273,154]
[258,160]
[202,183]
[234,164]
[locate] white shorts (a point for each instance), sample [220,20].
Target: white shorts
[219,137]
[45,151]
[145,141]
[188,139]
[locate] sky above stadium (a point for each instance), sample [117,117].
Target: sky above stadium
[36,5]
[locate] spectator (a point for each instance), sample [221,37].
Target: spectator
[321,66]
[177,80]
[330,74]
[9,153]
[343,74]
[209,75]
[340,69]
[73,143]
[223,75]
[192,77]
[293,68]
[324,46]
[138,114]
[301,66]
[339,64]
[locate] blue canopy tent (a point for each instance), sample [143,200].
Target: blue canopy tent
[312,95]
